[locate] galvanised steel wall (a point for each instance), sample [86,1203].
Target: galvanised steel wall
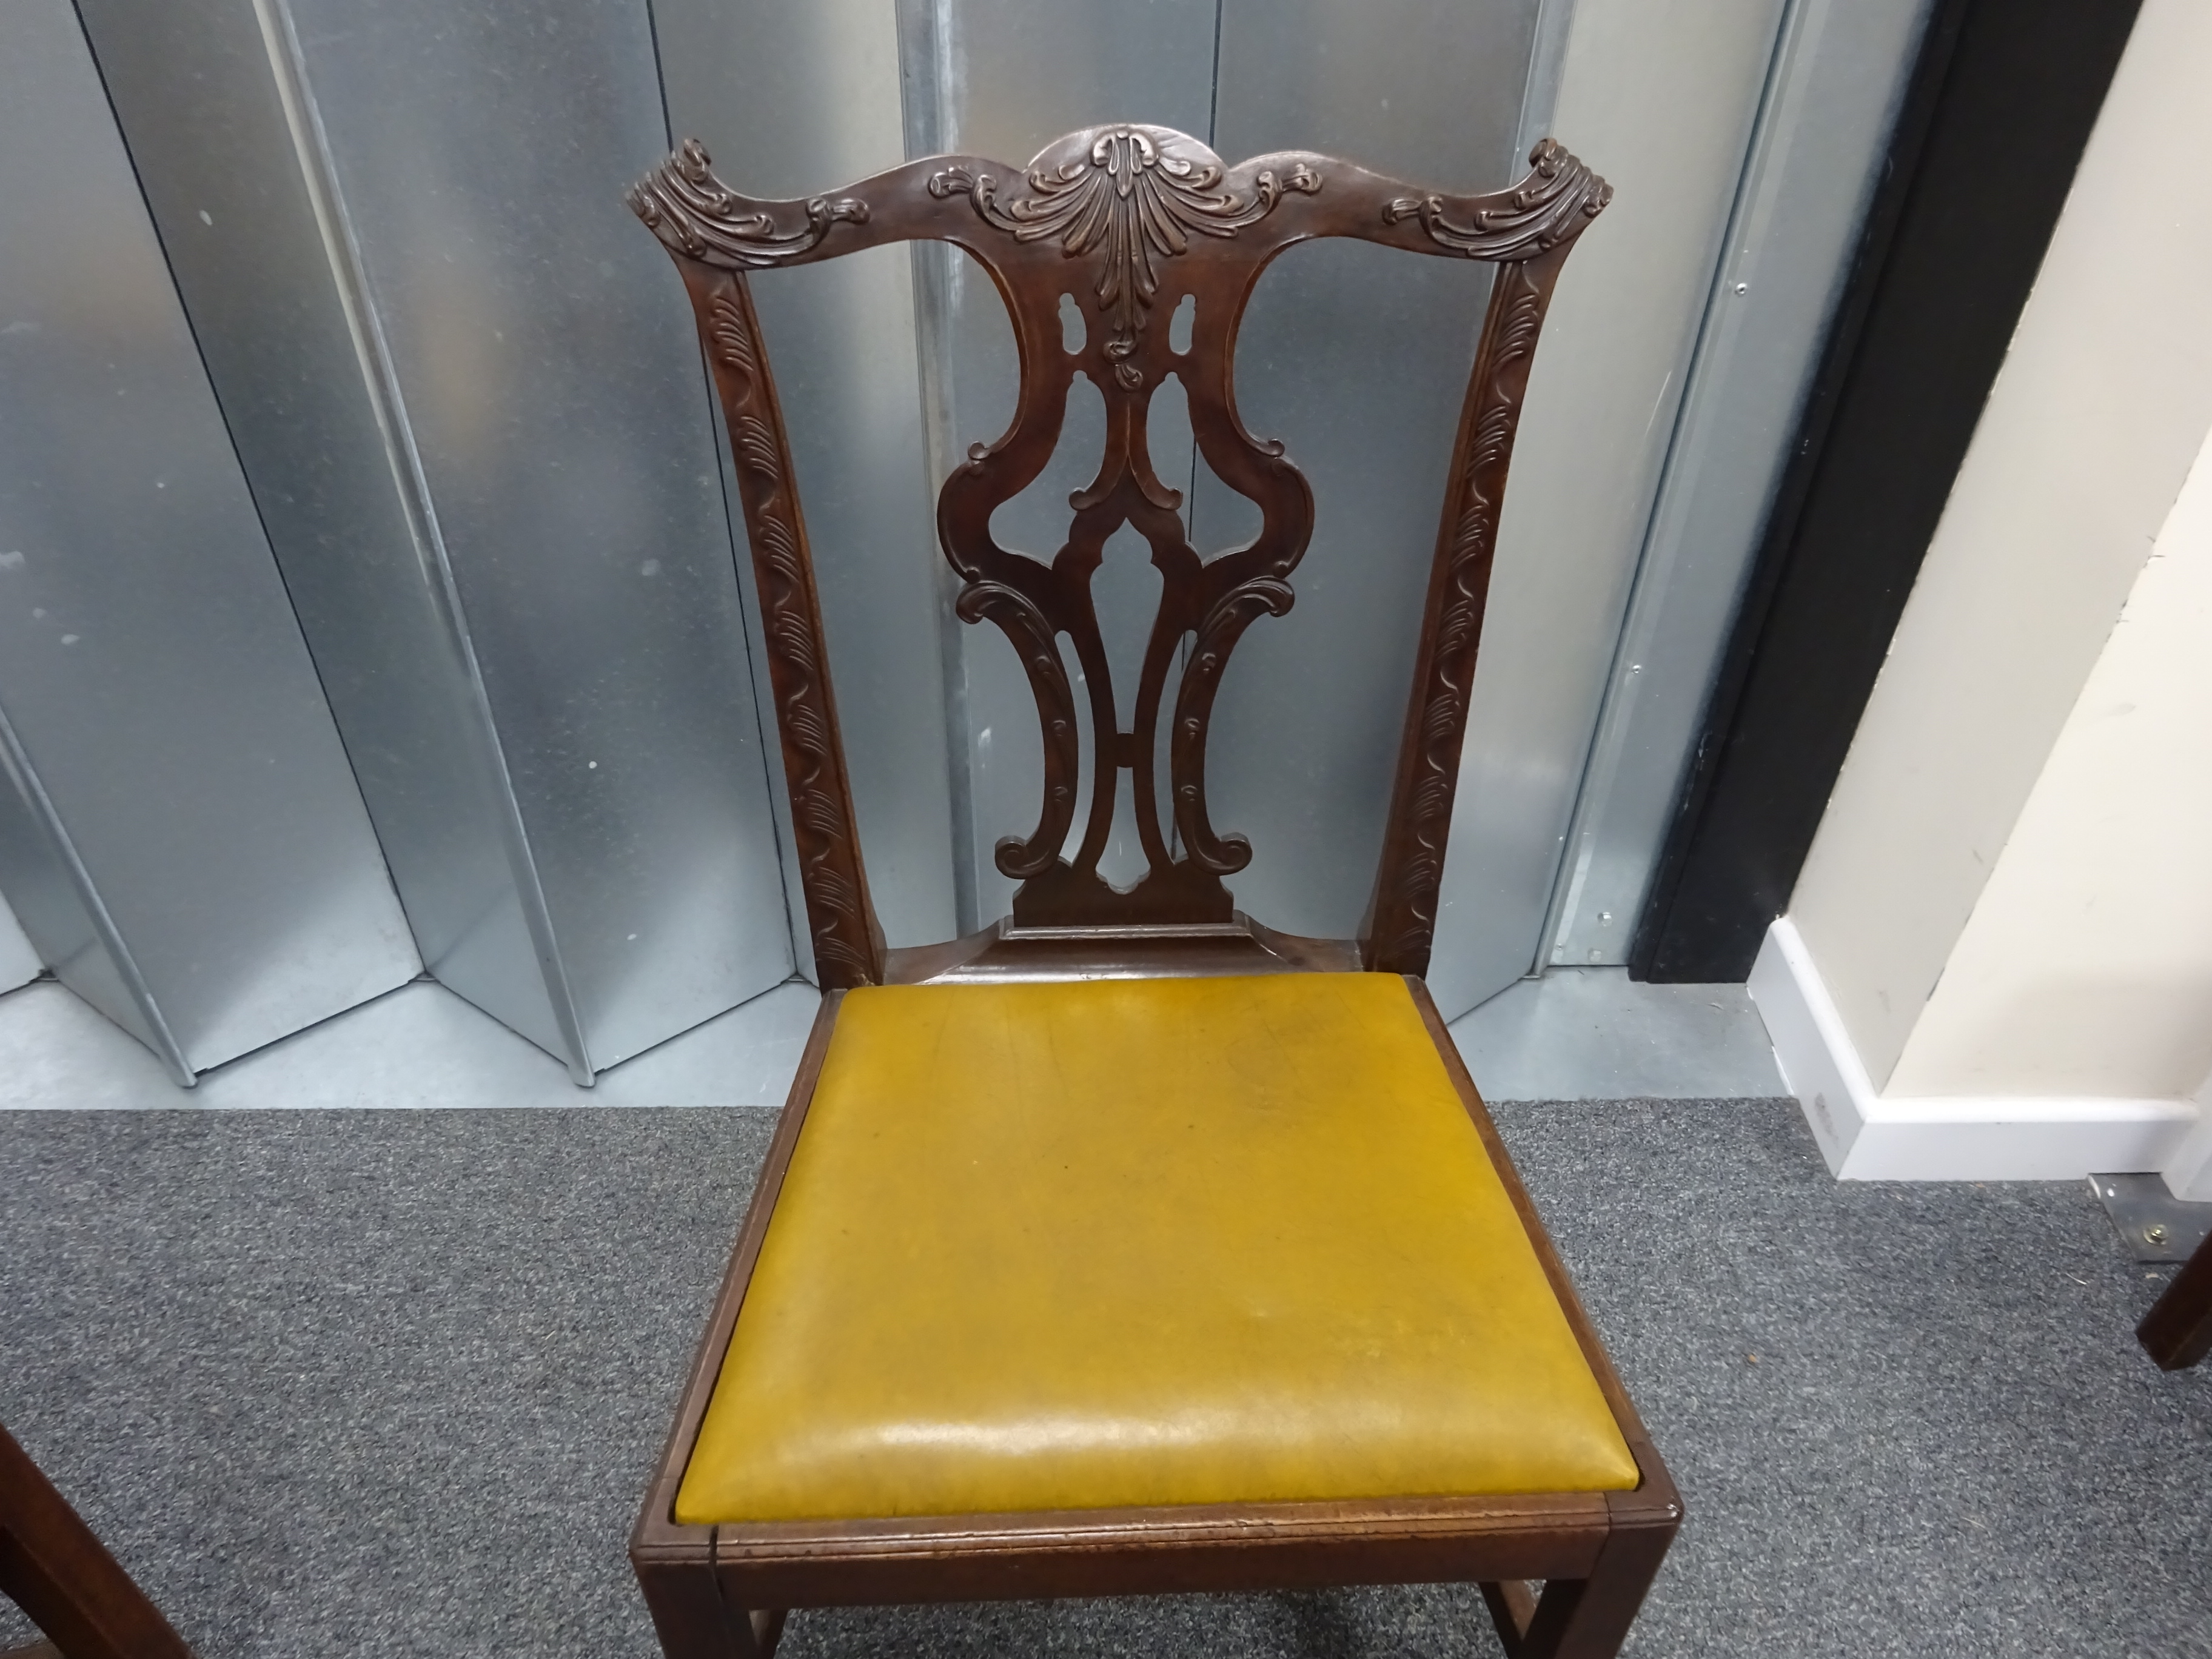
[179,833]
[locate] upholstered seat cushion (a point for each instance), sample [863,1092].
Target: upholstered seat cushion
[1149,1242]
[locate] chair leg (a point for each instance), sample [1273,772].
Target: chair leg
[1512,1604]
[767,1629]
[694,1622]
[53,1568]
[1581,1618]
[2177,1332]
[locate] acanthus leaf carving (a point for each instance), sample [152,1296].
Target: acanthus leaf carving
[694,213]
[1131,195]
[1548,207]
[1406,918]
[839,921]
[1149,214]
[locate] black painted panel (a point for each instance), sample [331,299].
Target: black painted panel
[1999,110]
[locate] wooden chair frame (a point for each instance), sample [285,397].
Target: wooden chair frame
[2177,1332]
[1128,219]
[58,1572]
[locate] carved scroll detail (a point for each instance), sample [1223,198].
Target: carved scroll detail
[1031,635]
[1548,207]
[1403,925]
[1131,195]
[1151,214]
[847,949]
[1218,630]
[694,213]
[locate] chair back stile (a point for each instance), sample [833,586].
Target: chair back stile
[1128,220]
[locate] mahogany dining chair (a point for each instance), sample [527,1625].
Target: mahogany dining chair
[1129,1245]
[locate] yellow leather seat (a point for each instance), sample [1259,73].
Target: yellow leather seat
[1138,1243]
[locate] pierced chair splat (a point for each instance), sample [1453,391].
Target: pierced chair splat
[1079,1264]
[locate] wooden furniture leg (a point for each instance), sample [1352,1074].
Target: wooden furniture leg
[2177,1332]
[54,1569]
[694,1620]
[1512,1607]
[1580,1618]
[767,1629]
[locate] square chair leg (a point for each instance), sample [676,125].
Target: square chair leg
[2177,1332]
[1581,1618]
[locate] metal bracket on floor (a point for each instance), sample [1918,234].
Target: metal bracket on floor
[2154,1224]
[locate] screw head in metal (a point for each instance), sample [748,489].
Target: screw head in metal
[2155,1233]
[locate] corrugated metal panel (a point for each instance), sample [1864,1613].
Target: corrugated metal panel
[203,109]
[793,100]
[558,407]
[1838,74]
[166,723]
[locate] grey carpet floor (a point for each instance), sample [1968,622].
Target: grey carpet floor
[371,1383]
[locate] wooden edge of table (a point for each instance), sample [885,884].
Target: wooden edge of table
[1045,1552]
[1655,1499]
[656,1522]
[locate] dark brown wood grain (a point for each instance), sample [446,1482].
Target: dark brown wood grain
[1402,919]
[1658,1490]
[54,1568]
[1128,220]
[849,943]
[1512,1603]
[2177,1332]
[675,1565]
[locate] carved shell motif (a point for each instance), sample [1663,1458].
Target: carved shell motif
[1136,198]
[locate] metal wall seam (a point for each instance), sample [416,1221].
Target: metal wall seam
[311,147]
[150,1027]
[765,723]
[1357,358]
[925,105]
[1548,57]
[1662,101]
[166,717]
[790,102]
[1610,735]
[564,434]
[19,957]
[1836,74]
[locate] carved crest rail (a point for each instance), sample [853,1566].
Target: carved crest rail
[1130,220]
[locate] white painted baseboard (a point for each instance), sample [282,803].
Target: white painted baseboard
[2188,1167]
[1867,1137]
